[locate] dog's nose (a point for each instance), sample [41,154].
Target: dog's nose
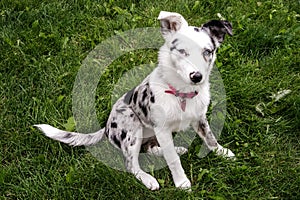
[195,77]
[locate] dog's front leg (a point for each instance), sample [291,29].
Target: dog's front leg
[165,140]
[203,130]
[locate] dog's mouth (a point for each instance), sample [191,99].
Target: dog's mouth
[192,83]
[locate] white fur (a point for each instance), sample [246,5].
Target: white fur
[74,139]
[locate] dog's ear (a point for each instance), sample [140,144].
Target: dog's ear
[218,29]
[171,22]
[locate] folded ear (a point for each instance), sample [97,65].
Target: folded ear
[171,22]
[218,29]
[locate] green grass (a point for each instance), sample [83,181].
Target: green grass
[42,45]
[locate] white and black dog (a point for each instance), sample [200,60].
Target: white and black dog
[173,97]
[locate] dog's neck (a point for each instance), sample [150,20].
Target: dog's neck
[181,95]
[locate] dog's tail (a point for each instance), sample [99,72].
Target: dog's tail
[71,138]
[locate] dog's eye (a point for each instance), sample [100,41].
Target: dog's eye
[207,53]
[183,52]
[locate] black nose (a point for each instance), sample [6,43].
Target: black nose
[195,77]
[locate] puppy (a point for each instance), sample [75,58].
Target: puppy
[172,98]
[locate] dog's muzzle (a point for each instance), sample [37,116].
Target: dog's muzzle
[195,77]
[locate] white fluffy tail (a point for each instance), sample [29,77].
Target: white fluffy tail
[71,138]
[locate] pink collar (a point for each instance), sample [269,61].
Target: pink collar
[182,95]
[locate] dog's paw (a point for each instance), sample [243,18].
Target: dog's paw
[157,151]
[181,150]
[184,184]
[224,152]
[149,181]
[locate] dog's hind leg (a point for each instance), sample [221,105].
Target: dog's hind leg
[152,147]
[131,153]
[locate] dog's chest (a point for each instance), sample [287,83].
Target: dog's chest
[193,111]
[168,111]
[156,107]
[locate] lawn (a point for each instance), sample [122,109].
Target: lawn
[42,48]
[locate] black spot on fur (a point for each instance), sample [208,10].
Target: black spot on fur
[201,128]
[213,43]
[152,98]
[144,95]
[114,125]
[116,141]
[196,29]
[106,131]
[211,142]
[131,115]
[132,142]
[68,135]
[202,125]
[144,109]
[128,96]
[123,134]
[135,97]
[174,41]
[121,110]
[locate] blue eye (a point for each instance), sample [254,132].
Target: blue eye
[183,52]
[207,52]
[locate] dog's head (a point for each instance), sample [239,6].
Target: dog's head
[190,50]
